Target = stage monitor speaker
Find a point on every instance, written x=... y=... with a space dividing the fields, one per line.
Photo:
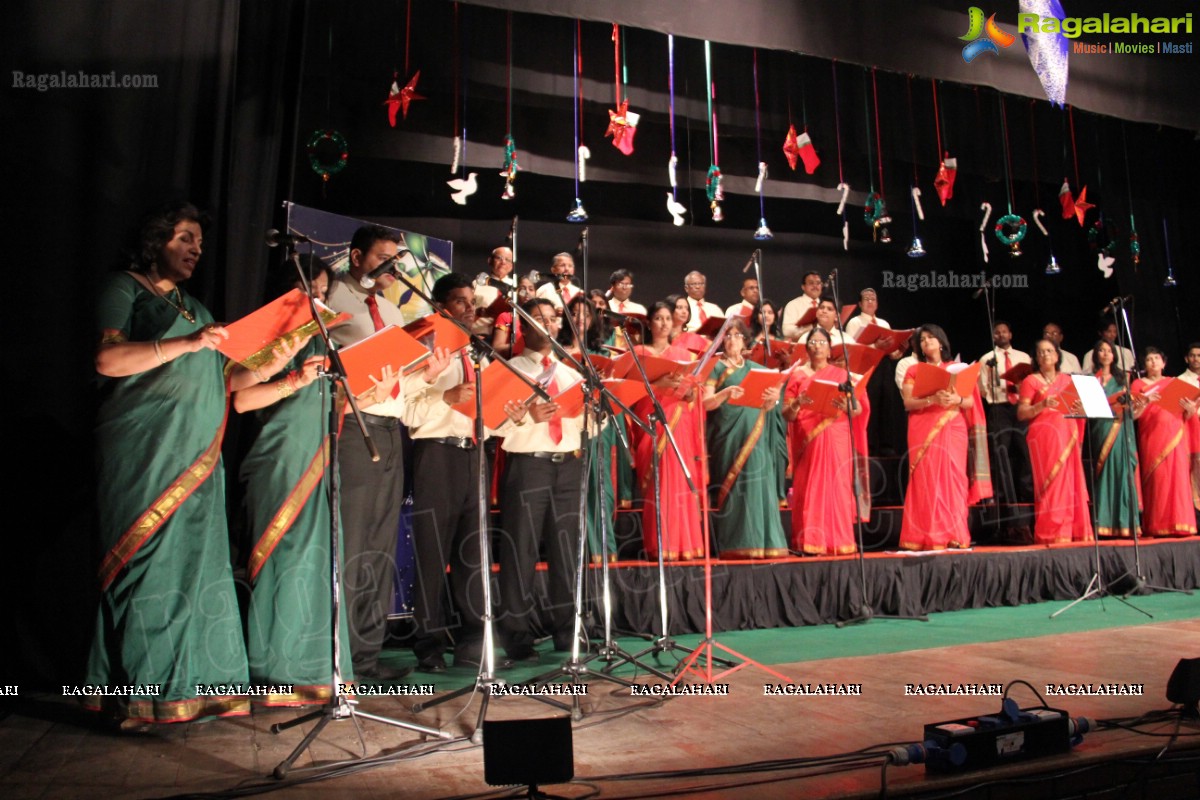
x=528 y=751
x=1183 y=687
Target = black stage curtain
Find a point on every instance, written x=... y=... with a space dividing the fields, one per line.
x=82 y=166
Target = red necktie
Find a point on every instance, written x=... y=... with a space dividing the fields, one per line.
x=621 y=307
x=469 y=377
x=1010 y=387
x=373 y=309
x=702 y=315
x=555 y=424
x=566 y=295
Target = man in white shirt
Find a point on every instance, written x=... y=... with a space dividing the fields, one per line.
x=371 y=492
x=796 y=308
x=620 y=287
x=1008 y=452
x=1052 y=332
x=560 y=291
x=695 y=284
x=1192 y=373
x=1124 y=358
x=445 y=510
x=541 y=496
x=489 y=285
x=749 y=295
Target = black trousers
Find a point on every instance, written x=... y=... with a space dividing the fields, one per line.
x=539 y=508
x=1009 y=454
x=445 y=525
x=372 y=497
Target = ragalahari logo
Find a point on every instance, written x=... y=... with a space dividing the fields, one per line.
x=983 y=36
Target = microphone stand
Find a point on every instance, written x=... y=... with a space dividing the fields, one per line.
x=657 y=419
x=866 y=611
x=1096 y=586
x=339 y=707
x=575 y=668
x=486 y=677
x=1125 y=337
x=1010 y=488
x=756 y=262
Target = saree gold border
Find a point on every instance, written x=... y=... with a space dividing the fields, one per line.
x=660 y=445
x=942 y=422
x=148 y=710
x=1161 y=457
x=1106 y=448
x=281 y=523
x=161 y=509
x=301 y=696
x=1062 y=459
x=742 y=457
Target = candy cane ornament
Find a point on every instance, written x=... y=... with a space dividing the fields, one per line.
x=987 y=213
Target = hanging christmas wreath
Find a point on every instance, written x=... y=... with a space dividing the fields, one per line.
x=328 y=153
x=1010 y=229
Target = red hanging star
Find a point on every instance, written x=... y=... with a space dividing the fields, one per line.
x=791 y=147
x=1082 y=206
x=400 y=98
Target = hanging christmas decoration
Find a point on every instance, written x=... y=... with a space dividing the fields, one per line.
x=577 y=212
x=875 y=211
x=762 y=233
x=986 y=208
x=674 y=207
x=622 y=123
x=712 y=183
x=510 y=169
x=398 y=99
x=943 y=182
x=1102 y=239
x=1073 y=207
x=916 y=249
x=462 y=188
x=1169 y=281
x=1010 y=229
x=328 y=153
x=460 y=134
x=1047 y=51
x=1135 y=246
x=1052 y=267
x=842 y=186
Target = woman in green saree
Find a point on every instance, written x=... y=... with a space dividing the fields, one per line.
x=747 y=449
x=168 y=619
x=1116 y=463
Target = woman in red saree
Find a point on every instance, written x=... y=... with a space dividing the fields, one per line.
x=681 y=535
x=1163 y=447
x=1060 y=501
x=935 y=504
x=822 y=461
x=681 y=315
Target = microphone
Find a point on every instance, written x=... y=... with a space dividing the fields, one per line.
x=512 y=239
x=275 y=238
x=753 y=258
x=831 y=277
x=1116 y=302
x=368 y=281
x=614 y=315
x=979 y=292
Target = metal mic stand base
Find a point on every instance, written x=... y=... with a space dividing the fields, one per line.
x=1139 y=583
x=483 y=684
x=865 y=613
x=338 y=708
x=573 y=671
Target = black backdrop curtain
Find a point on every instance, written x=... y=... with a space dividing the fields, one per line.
x=80 y=168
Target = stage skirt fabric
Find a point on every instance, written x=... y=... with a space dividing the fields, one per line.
x=747 y=450
x=823 y=466
x=1164 y=444
x=1060 y=501
x=168 y=615
x=285 y=474
x=935 y=504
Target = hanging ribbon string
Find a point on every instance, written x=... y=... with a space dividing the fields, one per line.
x=878 y=130
x=407 y=34
x=465 y=185
x=937 y=119
x=762 y=233
x=674 y=207
x=1037 y=191
x=1074 y=150
x=616 y=39
x=915 y=249
x=1135 y=246
x=577 y=212
x=837 y=126
x=713 y=183
x=875 y=211
x=1010 y=228
x=456 y=56
x=511 y=167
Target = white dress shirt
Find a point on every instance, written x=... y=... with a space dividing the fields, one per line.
x=856 y=324
x=534 y=437
x=991 y=386
x=710 y=310
x=792 y=314
x=553 y=292
x=347 y=295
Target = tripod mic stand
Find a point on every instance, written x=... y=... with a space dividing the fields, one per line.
x=1125 y=336
x=1096 y=586
x=338 y=707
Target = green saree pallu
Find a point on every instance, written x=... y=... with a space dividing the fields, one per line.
x=286 y=478
x=1115 y=473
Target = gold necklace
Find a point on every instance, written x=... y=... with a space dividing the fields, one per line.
x=176 y=304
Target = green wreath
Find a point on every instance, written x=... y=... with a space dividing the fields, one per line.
x=328 y=153
x=1010 y=229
